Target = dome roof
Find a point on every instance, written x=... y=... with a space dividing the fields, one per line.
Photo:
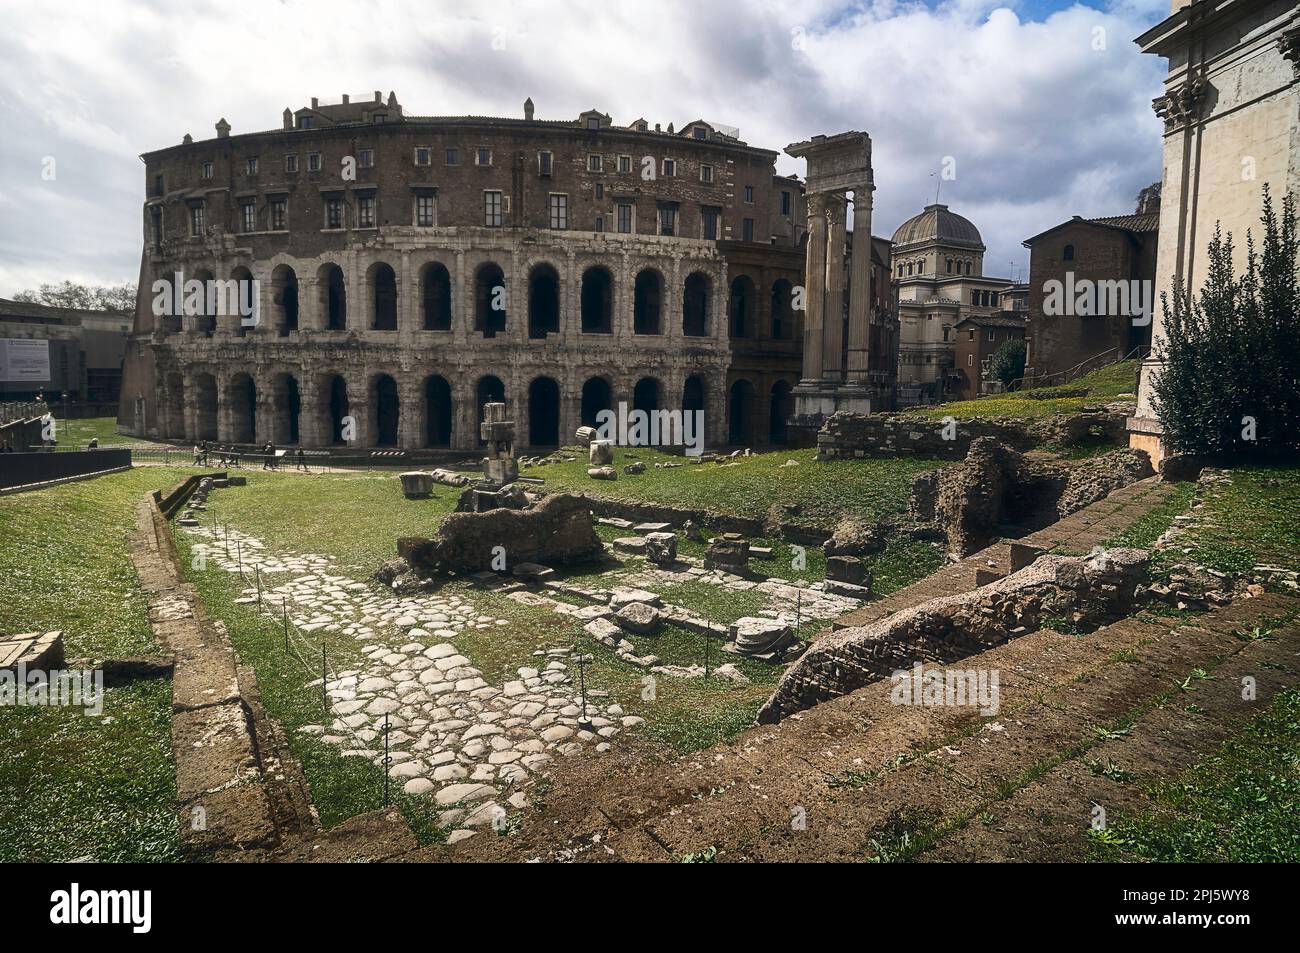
x=937 y=224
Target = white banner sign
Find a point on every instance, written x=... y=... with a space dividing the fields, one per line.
x=24 y=360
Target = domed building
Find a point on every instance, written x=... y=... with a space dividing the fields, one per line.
x=938 y=266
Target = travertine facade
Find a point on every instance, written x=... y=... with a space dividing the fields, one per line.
x=412 y=269
x=1231 y=111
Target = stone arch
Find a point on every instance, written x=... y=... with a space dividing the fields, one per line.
x=205 y=407
x=782 y=406
x=647 y=302
x=336 y=406
x=597 y=300
x=173 y=411
x=694 y=393
x=490 y=299
x=241 y=274
x=286 y=402
x=205 y=322
x=740 y=411
x=783 y=320
x=382 y=282
x=437 y=411
x=696 y=291
x=242 y=399
x=543 y=301
x=488 y=390
x=645 y=395
x=597 y=395
x=387 y=409
x=435 y=296
x=543 y=413
x=284 y=297
x=333 y=297
x=743 y=306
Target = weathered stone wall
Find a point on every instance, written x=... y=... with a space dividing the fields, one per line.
x=1086 y=591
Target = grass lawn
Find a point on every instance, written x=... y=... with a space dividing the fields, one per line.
x=1103 y=385
x=751 y=486
x=72 y=784
x=77 y=433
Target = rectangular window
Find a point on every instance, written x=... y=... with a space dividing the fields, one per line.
x=700 y=132
x=196 y=221
x=249 y=213
x=670 y=168
x=252 y=165
x=156 y=215
x=492 y=209
x=593 y=122
x=625 y=163
x=625 y=219
x=423 y=155
x=559 y=211
x=667 y=221
x=749 y=195
x=366 y=211
x=483 y=157
x=334 y=213
x=451 y=157
x=970 y=360
x=313 y=162
x=593 y=163
x=706 y=173
x=600 y=223
x=306 y=122
x=544 y=160
x=279 y=214
x=993 y=335
x=785 y=203
x=207 y=170
x=424 y=211
x=975 y=297
x=600 y=190
x=709 y=221
x=291 y=163
x=747 y=230
x=157 y=185
x=366 y=158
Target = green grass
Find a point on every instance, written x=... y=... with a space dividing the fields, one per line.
x=1146 y=529
x=64 y=563
x=1102 y=385
x=752 y=486
x=1240 y=805
x=77 y=433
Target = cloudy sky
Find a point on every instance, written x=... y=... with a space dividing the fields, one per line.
x=1043 y=106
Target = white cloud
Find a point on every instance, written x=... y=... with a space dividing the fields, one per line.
x=1040 y=123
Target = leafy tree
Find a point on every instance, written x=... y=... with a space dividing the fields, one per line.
x=69 y=294
x=1008 y=362
x=1231 y=377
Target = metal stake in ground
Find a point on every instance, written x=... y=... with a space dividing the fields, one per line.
x=388 y=759
x=239 y=555
x=284 y=618
x=227 y=540
x=707 y=637
x=798 y=611
x=257 y=571
x=583 y=722
x=324 y=698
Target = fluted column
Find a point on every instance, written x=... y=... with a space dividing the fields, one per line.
x=861 y=294
x=814 y=287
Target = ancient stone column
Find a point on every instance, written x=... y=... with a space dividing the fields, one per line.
x=309 y=416
x=861 y=292
x=833 y=306
x=411 y=411
x=814 y=289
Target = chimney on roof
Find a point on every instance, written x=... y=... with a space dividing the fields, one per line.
x=379 y=96
x=345 y=99
x=392 y=99
x=314 y=102
x=187 y=139
x=657 y=129
x=528 y=108
x=288 y=118
x=223 y=128
x=670 y=129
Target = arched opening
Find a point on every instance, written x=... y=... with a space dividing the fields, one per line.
x=645 y=395
x=288 y=405
x=488 y=390
x=782 y=310
x=782 y=407
x=383 y=289
x=489 y=299
x=597 y=301
x=543 y=413
x=695 y=305
x=742 y=307
x=646 y=298
x=435 y=297
x=387 y=410
x=173 y=410
x=437 y=412
x=244 y=279
x=596 y=396
x=333 y=297
x=284 y=295
x=243 y=409
x=739 y=410
x=543 y=302
x=205 y=320
x=205 y=407
x=336 y=402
